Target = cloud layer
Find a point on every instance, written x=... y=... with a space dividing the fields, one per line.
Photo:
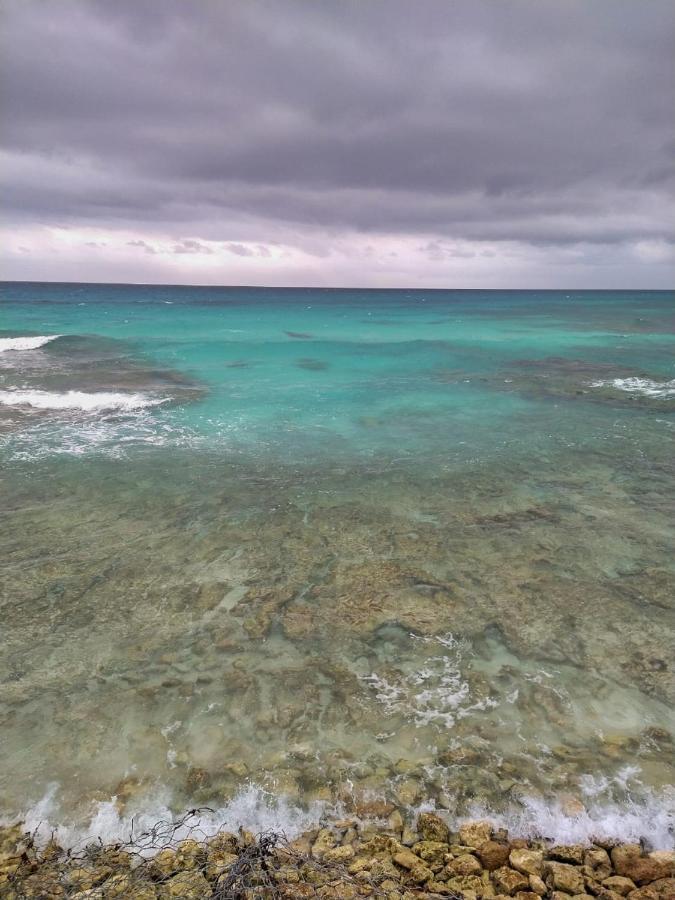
x=462 y=143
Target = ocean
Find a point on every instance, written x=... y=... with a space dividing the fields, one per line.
x=285 y=552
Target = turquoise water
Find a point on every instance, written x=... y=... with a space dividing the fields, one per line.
x=337 y=548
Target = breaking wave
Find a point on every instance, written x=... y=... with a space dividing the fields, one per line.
x=79 y=400
x=26 y=343
x=649 y=818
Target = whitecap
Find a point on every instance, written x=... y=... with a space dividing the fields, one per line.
x=26 y=343
x=252 y=807
x=648 y=816
x=79 y=400
x=645 y=386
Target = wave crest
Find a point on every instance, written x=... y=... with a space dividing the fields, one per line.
x=26 y=343
x=79 y=400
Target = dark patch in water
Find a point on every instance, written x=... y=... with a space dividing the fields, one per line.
x=300 y=335
x=238 y=364
x=312 y=365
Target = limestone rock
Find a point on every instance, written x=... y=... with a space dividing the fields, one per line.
x=628 y=861
x=493 y=854
x=396 y=823
x=564 y=877
x=325 y=840
x=529 y=862
x=537 y=885
x=661 y=889
x=619 y=884
x=407 y=859
x=598 y=861
x=188 y=886
x=474 y=834
x=432 y=828
x=509 y=881
x=464 y=884
x=339 y=854
x=432 y=852
x=567 y=853
x=466 y=864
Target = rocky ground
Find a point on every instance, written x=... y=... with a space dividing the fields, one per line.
x=344 y=859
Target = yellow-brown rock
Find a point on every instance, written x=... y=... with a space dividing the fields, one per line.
x=509 y=881
x=432 y=828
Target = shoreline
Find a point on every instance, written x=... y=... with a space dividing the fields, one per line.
x=342 y=858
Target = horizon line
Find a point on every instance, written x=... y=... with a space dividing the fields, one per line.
x=313 y=287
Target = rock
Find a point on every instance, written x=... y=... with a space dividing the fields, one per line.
x=526 y=895
x=438 y=887
x=342 y=891
x=325 y=840
x=473 y=834
x=382 y=869
x=463 y=884
x=628 y=861
x=493 y=854
x=619 y=884
x=464 y=865
x=537 y=885
x=190 y=855
x=396 y=823
x=223 y=842
x=665 y=888
x=417 y=871
x=373 y=809
x=406 y=859
x=666 y=856
x=567 y=853
x=409 y=837
x=117 y=888
x=529 y=862
x=339 y=854
x=408 y=792
x=598 y=861
x=644 y=893
x=432 y=852
x=432 y=828
x=163 y=864
x=563 y=877
x=509 y=881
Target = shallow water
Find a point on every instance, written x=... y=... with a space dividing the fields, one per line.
x=341 y=548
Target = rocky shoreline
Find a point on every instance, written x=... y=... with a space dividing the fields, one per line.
x=343 y=859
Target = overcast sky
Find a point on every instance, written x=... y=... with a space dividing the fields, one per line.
x=435 y=143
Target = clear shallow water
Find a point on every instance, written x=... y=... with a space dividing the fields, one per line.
x=343 y=547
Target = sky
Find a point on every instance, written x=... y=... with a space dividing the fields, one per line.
x=345 y=143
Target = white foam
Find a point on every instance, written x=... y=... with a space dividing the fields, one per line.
x=645 y=386
x=252 y=808
x=26 y=343
x=650 y=817
x=79 y=400
x=435 y=694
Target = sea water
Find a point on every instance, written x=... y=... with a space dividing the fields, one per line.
x=285 y=552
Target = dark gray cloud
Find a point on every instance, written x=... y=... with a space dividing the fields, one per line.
x=548 y=123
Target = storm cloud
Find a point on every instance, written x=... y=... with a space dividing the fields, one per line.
x=442 y=142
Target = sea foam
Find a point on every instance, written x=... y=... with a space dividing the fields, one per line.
x=26 y=343
x=79 y=400
x=252 y=807
x=645 y=386
x=650 y=818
